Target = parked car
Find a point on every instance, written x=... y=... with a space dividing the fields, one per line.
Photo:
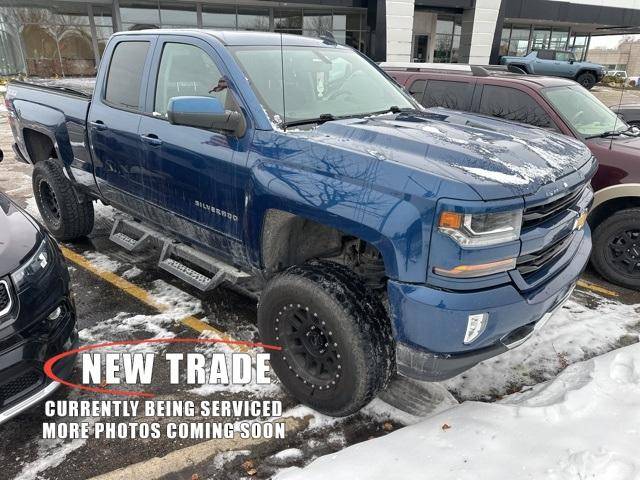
x=379 y=237
x=557 y=105
x=557 y=63
x=37 y=312
x=630 y=113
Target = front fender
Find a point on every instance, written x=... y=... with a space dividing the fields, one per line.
x=397 y=224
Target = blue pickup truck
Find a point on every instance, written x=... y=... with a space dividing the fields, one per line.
x=378 y=237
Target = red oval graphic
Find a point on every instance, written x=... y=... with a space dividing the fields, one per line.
x=48 y=366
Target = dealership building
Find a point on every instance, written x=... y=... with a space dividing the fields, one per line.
x=67 y=37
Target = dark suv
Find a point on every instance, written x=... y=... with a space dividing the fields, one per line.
x=37 y=312
x=559 y=105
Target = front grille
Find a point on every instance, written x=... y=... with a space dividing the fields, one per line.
x=532 y=262
x=18 y=386
x=535 y=215
x=5 y=298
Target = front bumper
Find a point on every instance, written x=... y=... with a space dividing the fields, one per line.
x=429 y=324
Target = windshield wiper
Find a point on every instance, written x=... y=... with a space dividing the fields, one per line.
x=612 y=133
x=325 y=117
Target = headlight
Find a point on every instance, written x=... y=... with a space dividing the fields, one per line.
x=34 y=267
x=481 y=229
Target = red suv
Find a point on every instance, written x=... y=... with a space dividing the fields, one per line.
x=564 y=106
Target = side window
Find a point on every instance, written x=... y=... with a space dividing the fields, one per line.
x=545 y=54
x=125 y=74
x=512 y=104
x=187 y=70
x=448 y=94
x=564 y=56
x=417 y=89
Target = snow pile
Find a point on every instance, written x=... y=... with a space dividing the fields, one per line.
x=575 y=332
x=583 y=424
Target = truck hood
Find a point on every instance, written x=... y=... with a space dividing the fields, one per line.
x=496 y=158
x=19 y=236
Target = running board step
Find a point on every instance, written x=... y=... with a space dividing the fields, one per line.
x=129 y=234
x=181 y=260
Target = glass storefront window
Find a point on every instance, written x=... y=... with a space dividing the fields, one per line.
x=214 y=16
x=504 y=40
x=558 y=39
x=578 y=45
x=253 y=19
x=178 y=15
x=316 y=23
x=519 y=42
x=288 y=21
x=540 y=38
x=447 y=39
x=139 y=15
x=57 y=40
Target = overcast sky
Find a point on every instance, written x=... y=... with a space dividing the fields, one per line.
x=609 y=41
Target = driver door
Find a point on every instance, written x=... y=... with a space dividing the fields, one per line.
x=190 y=175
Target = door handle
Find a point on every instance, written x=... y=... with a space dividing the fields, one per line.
x=151 y=139
x=98 y=125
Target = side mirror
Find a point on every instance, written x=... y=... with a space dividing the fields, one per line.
x=571 y=61
x=204 y=112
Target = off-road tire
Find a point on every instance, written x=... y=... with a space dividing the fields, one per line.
x=612 y=241
x=587 y=80
x=335 y=306
x=64 y=216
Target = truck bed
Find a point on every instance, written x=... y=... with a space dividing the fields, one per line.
x=81 y=85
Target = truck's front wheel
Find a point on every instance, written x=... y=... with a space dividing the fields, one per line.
x=63 y=214
x=587 y=80
x=616 y=248
x=337 y=346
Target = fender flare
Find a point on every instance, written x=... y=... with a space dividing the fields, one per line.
x=615 y=191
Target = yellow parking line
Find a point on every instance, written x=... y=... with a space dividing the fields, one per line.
x=144 y=296
x=597 y=288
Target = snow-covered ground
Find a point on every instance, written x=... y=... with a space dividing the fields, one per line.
x=583 y=424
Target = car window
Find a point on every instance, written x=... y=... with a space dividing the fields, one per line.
x=512 y=104
x=583 y=111
x=125 y=74
x=417 y=89
x=564 y=56
x=187 y=70
x=545 y=54
x=448 y=94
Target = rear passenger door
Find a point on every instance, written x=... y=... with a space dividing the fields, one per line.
x=452 y=94
x=114 y=118
x=513 y=104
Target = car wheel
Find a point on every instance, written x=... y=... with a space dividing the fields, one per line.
x=616 y=248
x=516 y=69
x=337 y=346
x=63 y=215
x=587 y=80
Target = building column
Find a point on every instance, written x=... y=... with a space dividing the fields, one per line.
x=399 y=20
x=478 y=28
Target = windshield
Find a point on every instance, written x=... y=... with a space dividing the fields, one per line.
x=584 y=112
x=318 y=82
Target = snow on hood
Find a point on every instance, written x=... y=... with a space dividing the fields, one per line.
x=583 y=424
x=480 y=151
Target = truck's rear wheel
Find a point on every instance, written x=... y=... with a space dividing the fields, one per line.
x=587 y=80
x=616 y=248
x=338 y=349
x=63 y=215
